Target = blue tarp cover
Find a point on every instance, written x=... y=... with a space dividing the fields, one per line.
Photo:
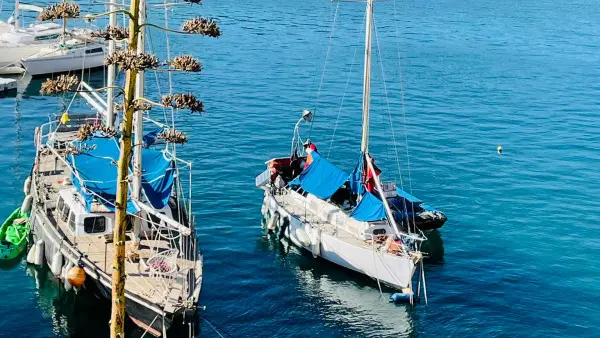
x=158 y=174
x=96 y=165
x=370 y=208
x=150 y=137
x=322 y=178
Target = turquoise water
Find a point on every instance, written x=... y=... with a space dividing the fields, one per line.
x=517 y=255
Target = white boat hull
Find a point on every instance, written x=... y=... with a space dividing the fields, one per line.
x=395 y=271
x=71 y=61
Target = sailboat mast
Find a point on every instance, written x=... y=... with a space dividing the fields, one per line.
x=367 y=79
x=138 y=115
x=110 y=93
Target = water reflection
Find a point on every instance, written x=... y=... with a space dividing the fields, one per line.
x=73 y=314
x=346 y=299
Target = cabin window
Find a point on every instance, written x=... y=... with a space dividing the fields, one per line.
x=379 y=232
x=72 y=221
x=59 y=206
x=65 y=213
x=94 y=50
x=93 y=225
x=46 y=37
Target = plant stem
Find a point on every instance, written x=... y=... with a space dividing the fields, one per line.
x=117 y=327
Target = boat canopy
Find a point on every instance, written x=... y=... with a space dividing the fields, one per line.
x=370 y=208
x=95 y=173
x=321 y=178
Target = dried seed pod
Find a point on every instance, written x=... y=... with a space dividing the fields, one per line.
x=173 y=136
x=112 y=33
x=137 y=105
x=129 y=60
x=186 y=63
x=183 y=101
x=141 y=105
x=62 y=84
x=63 y=10
x=202 y=26
x=87 y=130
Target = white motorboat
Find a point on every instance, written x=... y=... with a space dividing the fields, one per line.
x=71 y=55
x=17 y=42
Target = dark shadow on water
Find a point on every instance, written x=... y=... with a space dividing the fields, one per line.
x=72 y=314
x=82 y=313
x=434 y=247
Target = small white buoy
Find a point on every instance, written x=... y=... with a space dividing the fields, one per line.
x=499 y=149
x=26 y=205
x=39 y=253
x=302 y=237
x=57 y=261
x=31 y=254
x=27 y=186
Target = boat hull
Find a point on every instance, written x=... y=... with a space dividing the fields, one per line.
x=148 y=316
x=63 y=63
x=394 y=271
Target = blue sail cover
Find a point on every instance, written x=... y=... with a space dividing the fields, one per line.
x=370 y=208
x=322 y=178
x=96 y=165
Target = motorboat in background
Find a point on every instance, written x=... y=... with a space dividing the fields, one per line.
x=74 y=54
x=18 y=42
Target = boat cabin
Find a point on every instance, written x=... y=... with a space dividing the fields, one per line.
x=71 y=210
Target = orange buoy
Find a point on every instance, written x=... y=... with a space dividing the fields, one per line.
x=76 y=276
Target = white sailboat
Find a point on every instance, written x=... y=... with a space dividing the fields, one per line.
x=347 y=219
x=73 y=189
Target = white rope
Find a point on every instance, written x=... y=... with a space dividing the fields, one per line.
x=148 y=328
x=375 y=266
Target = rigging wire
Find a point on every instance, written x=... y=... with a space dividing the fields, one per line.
x=345 y=92
x=218 y=329
x=335 y=16
x=402 y=97
x=382 y=73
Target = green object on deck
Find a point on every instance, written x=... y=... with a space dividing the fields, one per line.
x=14 y=234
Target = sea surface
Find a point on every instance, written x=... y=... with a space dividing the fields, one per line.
x=452 y=80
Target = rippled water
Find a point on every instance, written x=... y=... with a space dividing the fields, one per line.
x=518 y=254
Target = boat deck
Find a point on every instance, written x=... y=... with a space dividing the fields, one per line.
x=299 y=210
